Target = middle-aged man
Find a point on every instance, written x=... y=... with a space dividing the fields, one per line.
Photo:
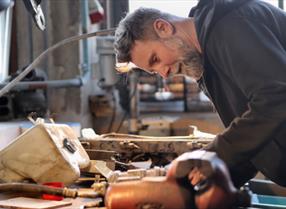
x=236 y=50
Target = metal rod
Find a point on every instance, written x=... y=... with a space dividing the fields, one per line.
x=10 y=85
x=29 y=85
x=134 y=110
x=6 y=38
x=84 y=10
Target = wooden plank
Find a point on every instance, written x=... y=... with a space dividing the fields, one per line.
x=31 y=203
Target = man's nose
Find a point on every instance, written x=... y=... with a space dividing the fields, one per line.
x=162 y=71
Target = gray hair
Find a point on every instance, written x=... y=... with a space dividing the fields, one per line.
x=136 y=26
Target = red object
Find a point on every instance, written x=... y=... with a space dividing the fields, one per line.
x=53 y=197
x=96 y=17
x=96 y=11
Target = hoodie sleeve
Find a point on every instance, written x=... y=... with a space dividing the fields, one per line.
x=249 y=54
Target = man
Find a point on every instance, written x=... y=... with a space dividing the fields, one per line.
x=236 y=50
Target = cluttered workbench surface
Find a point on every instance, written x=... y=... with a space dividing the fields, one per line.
x=49 y=162
x=20 y=200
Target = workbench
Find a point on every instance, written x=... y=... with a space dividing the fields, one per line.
x=77 y=203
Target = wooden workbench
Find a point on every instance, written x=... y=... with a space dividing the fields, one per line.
x=77 y=203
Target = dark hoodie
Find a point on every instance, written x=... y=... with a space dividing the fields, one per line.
x=244 y=54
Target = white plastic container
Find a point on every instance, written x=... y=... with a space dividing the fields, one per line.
x=44 y=153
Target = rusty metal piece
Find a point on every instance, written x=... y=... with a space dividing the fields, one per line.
x=100 y=187
x=150 y=192
x=128 y=145
x=128 y=148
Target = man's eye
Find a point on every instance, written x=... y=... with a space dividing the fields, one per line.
x=154 y=60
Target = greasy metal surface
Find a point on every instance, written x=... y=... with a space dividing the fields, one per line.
x=123 y=149
x=121 y=144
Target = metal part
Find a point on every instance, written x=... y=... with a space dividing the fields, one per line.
x=135 y=174
x=129 y=148
x=178 y=191
x=104 y=47
x=69 y=145
x=34 y=8
x=150 y=192
x=134 y=99
x=84 y=26
x=30 y=85
x=266 y=187
x=5 y=40
x=6 y=108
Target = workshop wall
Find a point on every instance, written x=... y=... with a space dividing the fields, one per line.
x=63 y=20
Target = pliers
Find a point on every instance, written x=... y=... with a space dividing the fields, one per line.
x=34 y=8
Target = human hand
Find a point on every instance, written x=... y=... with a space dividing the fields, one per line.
x=208 y=176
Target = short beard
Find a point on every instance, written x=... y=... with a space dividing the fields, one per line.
x=189 y=62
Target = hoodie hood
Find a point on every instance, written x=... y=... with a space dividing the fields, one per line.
x=208 y=12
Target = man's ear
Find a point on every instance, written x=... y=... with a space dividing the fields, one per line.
x=163 y=28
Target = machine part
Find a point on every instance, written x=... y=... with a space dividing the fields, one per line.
x=100 y=187
x=11 y=84
x=266 y=187
x=6 y=108
x=129 y=148
x=34 y=8
x=104 y=47
x=32 y=85
x=43 y=145
x=150 y=192
x=69 y=145
x=30 y=100
x=268 y=201
x=26 y=102
x=213 y=190
x=135 y=174
x=162 y=95
x=5 y=37
x=98 y=166
x=92 y=204
x=134 y=99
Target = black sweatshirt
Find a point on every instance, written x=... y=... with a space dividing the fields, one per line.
x=244 y=54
